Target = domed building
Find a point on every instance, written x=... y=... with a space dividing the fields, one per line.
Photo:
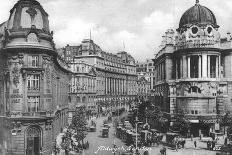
x=34 y=82
x=193 y=72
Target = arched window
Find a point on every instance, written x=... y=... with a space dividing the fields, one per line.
x=33 y=138
x=194 y=89
x=78 y=99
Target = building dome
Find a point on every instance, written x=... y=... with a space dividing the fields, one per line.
x=198 y=15
x=28 y=26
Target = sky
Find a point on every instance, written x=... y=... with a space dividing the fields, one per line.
x=134 y=25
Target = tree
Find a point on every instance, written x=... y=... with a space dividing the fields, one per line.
x=157 y=115
x=66 y=142
x=56 y=149
x=79 y=125
x=181 y=124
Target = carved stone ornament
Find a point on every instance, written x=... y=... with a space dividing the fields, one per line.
x=24 y=74
x=32 y=12
x=21 y=56
x=15 y=74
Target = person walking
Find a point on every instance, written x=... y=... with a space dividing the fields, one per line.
x=176 y=146
x=195 y=144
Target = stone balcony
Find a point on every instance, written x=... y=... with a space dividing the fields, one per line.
x=197 y=43
x=39 y=114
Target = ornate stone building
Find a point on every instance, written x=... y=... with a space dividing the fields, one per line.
x=146 y=69
x=193 y=71
x=34 y=82
x=115 y=73
x=82 y=86
x=143 y=88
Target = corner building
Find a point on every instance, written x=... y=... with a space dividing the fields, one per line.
x=193 y=71
x=33 y=85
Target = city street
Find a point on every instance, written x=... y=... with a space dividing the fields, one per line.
x=95 y=139
x=102 y=146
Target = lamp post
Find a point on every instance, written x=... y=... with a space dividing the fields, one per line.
x=136 y=129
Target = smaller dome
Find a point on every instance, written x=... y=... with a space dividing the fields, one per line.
x=198 y=15
x=26 y=13
x=28 y=27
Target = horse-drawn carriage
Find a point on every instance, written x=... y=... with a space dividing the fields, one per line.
x=173 y=139
x=156 y=137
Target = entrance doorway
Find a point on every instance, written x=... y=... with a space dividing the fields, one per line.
x=33 y=138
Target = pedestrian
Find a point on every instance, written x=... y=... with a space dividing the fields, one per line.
x=137 y=152
x=195 y=144
x=191 y=137
x=176 y=146
x=146 y=153
x=226 y=141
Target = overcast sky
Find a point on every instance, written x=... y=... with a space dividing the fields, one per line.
x=140 y=24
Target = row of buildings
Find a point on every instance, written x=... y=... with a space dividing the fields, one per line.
x=40 y=85
x=102 y=79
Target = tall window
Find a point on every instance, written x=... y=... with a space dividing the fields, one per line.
x=33 y=104
x=213 y=66
x=33 y=61
x=194 y=66
x=33 y=82
x=178 y=68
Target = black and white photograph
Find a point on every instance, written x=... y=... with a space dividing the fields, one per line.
x=115 y=77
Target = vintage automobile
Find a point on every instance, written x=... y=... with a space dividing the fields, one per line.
x=92 y=127
x=156 y=137
x=105 y=132
x=131 y=138
x=106 y=125
x=170 y=138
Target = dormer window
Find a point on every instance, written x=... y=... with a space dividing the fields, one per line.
x=194 y=30
x=209 y=30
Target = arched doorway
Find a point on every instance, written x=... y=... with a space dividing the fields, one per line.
x=33 y=138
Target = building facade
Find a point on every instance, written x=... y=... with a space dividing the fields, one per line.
x=82 y=90
x=34 y=82
x=193 y=71
x=115 y=74
x=143 y=88
x=146 y=69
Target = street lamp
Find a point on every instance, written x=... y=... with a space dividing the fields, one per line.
x=136 y=129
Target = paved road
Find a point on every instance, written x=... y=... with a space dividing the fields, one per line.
x=96 y=142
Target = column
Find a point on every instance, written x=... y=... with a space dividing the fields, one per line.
x=217 y=66
x=110 y=84
x=118 y=86
x=106 y=87
x=176 y=69
x=184 y=66
x=204 y=65
x=208 y=68
x=188 y=66
x=123 y=86
x=181 y=68
x=199 y=67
